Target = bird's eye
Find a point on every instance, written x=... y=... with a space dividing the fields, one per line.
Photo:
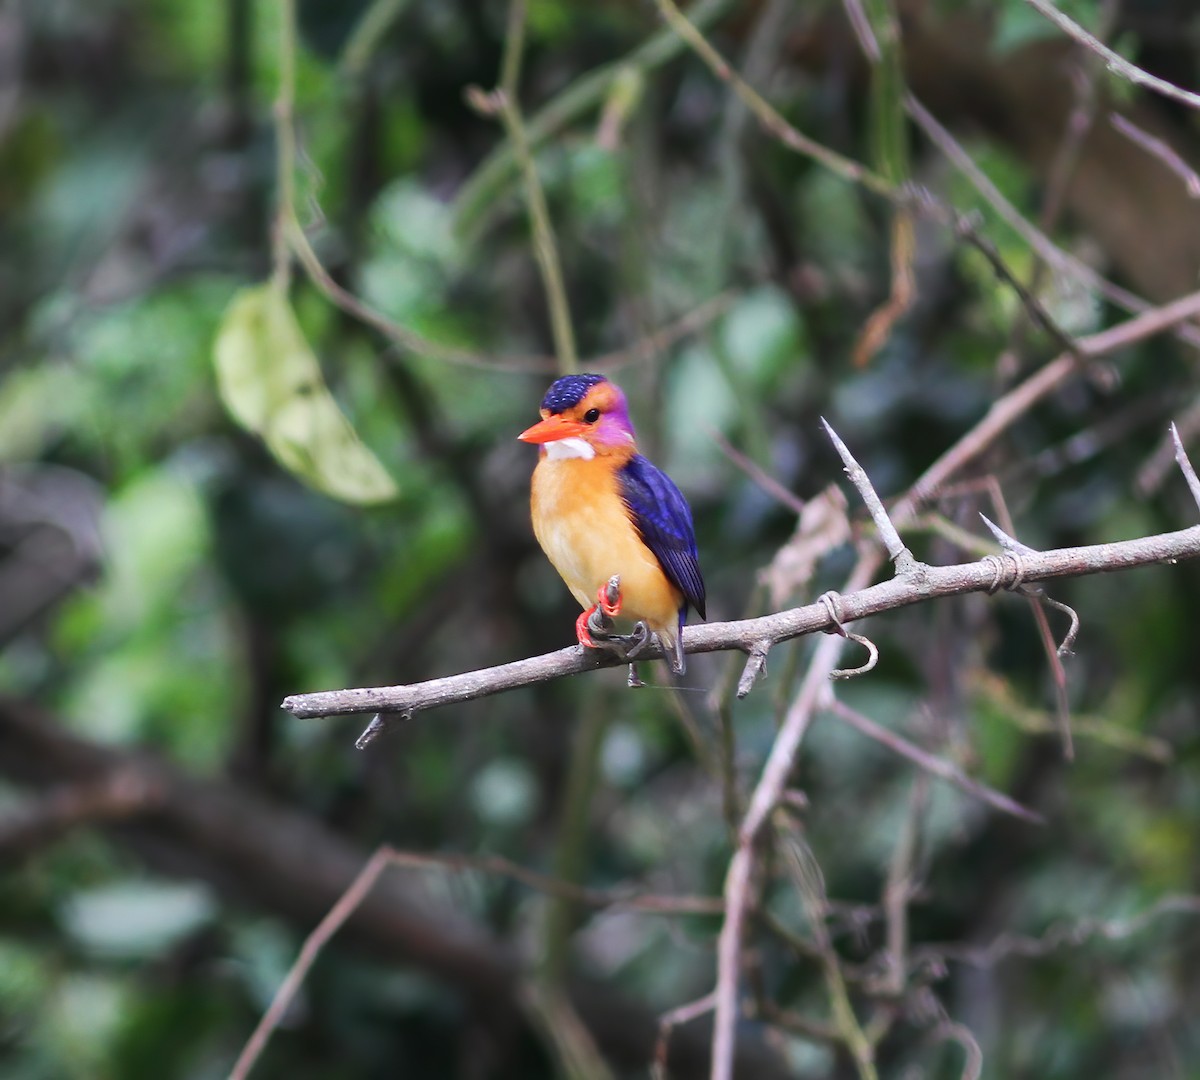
x=591 y=416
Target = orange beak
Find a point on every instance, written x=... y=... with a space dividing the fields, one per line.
x=554 y=428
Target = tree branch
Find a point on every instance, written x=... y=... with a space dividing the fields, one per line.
x=1115 y=62
x=929 y=582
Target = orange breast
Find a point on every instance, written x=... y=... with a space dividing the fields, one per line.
x=585 y=530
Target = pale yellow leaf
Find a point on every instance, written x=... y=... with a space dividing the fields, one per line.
x=271 y=382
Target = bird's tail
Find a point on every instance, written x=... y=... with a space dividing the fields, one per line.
x=672 y=643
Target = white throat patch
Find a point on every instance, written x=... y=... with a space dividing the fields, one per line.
x=569 y=448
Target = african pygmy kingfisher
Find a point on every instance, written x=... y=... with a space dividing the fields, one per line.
x=601 y=509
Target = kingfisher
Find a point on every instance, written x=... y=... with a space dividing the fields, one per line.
x=601 y=509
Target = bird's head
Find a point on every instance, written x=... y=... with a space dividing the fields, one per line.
x=583 y=416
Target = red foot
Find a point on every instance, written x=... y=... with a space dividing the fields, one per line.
x=581 y=630
x=611 y=610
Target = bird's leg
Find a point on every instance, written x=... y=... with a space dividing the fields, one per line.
x=608 y=597
x=596 y=619
x=593 y=626
x=635 y=643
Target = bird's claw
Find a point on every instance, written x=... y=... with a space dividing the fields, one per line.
x=591 y=633
x=583 y=628
x=635 y=643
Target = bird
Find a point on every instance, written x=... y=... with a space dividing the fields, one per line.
x=600 y=508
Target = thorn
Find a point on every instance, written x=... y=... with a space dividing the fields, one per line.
x=379 y=725
x=1007 y=542
x=1185 y=464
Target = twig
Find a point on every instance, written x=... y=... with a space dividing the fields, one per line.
x=366 y=35
x=897 y=892
x=1037 y=599
x=1153 y=473
x=285 y=149
x=387 y=856
x=949 y=1031
x=1114 y=61
x=765 y=797
x=683 y=1014
x=1185 y=464
x=998 y=693
x=1059 y=936
x=936 y=581
x=1159 y=149
x=481 y=189
x=794 y=1023
x=1039 y=385
x=658 y=341
x=966 y=229
x=690 y=322
x=878 y=29
x=931 y=763
x=309 y=951
x=758 y=474
x=806 y=874
x=1062 y=261
x=771 y=120
x=565 y=1035
x=503 y=102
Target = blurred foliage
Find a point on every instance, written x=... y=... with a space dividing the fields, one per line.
x=136 y=185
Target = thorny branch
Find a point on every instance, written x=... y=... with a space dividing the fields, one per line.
x=997 y=572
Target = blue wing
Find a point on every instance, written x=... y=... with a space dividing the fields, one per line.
x=664 y=521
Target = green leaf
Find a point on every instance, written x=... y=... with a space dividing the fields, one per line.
x=270 y=381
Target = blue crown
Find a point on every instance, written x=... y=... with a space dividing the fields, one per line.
x=569 y=391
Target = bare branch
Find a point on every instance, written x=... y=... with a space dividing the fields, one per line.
x=771 y=120
x=684 y=1014
x=1159 y=149
x=758 y=474
x=966 y=228
x=1115 y=62
x=1067 y=645
x=995 y=690
x=1061 y=935
x=931 y=763
x=388 y=856
x=410 y=341
x=1037 y=598
x=313 y=944
x=766 y=795
x=1062 y=261
x=744 y=635
x=949 y=1031
x=1039 y=385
